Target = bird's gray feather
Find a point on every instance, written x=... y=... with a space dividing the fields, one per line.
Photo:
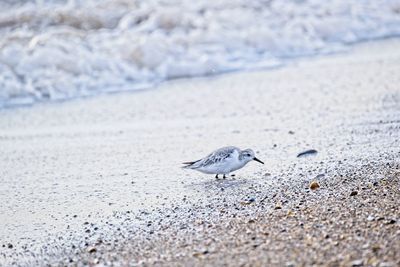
x=215 y=157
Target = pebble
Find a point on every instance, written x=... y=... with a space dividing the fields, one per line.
x=392 y=221
x=248 y=202
x=353 y=193
x=91 y=249
x=376 y=247
x=314 y=185
x=198 y=254
x=307 y=152
x=357 y=263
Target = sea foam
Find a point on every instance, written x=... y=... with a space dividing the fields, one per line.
x=56 y=50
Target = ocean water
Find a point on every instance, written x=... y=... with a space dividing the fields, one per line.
x=57 y=50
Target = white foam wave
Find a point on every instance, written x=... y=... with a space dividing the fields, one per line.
x=64 y=49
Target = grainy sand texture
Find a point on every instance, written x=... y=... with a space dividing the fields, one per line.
x=98 y=182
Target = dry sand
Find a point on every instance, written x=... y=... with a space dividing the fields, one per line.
x=97 y=181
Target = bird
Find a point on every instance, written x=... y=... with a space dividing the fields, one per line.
x=223 y=161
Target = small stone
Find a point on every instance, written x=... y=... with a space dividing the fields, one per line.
x=290 y=213
x=370 y=218
x=198 y=254
x=357 y=263
x=248 y=202
x=314 y=185
x=353 y=193
x=9 y=245
x=91 y=249
x=392 y=221
x=307 y=152
x=376 y=247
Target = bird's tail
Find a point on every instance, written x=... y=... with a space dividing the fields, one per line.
x=189 y=164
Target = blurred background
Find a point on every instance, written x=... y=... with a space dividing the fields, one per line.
x=57 y=50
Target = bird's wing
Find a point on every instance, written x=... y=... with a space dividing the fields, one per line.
x=218 y=156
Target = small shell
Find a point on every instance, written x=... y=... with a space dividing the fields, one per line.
x=314 y=185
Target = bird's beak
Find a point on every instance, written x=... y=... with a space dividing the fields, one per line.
x=256 y=159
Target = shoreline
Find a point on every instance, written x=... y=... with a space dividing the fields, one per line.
x=107 y=168
x=286 y=62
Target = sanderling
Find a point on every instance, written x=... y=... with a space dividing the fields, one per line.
x=223 y=161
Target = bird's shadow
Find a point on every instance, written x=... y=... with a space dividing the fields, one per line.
x=219 y=184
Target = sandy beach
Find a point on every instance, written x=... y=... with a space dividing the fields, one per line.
x=97 y=181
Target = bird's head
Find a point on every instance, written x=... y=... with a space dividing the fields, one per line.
x=248 y=155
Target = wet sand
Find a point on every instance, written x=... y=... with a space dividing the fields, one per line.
x=98 y=180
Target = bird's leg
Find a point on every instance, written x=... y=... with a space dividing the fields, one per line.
x=216 y=176
x=224 y=176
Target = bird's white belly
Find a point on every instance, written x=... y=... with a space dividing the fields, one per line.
x=224 y=167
